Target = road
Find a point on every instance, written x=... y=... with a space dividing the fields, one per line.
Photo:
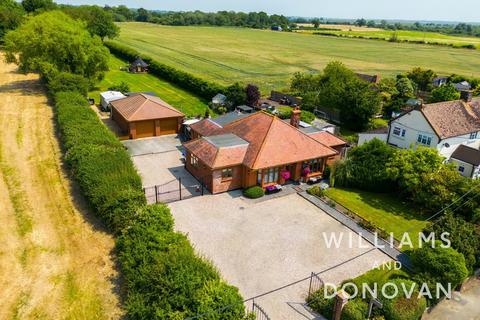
x=56 y=260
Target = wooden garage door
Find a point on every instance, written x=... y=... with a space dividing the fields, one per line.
x=168 y=126
x=145 y=129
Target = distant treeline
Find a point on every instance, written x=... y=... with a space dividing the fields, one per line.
x=222 y=18
x=458 y=29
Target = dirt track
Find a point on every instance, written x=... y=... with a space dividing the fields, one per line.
x=56 y=260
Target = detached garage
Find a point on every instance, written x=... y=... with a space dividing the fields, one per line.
x=143 y=115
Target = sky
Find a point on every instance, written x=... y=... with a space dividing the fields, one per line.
x=437 y=10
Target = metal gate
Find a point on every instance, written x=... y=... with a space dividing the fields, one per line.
x=173 y=190
x=260 y=314
x=316 y=283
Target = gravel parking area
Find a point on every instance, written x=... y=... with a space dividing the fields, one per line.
x=159 y=163
x=262 y=246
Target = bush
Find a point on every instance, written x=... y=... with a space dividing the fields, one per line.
x=254 y=192
x=320 y=304
x=355 y=309
x=316 y=191
x=401 y=308
x=122 y=87
x=64 y=81
x=200 y=87
x=164 y=277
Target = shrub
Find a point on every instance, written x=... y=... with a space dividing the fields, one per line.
x=316 y=191
x=400 y=307
x=254 y=192
x=64 y=81
x=121 y=87
x=164 y=277
x=320 y=304
x=200 y=87
x=355 y=309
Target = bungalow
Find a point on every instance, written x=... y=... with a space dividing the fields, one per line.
x=257 y=149
x=439 y=81
x=462 y=86
x=444 y=126
x=142 y=115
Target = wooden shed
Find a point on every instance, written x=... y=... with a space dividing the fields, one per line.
x=142 y=115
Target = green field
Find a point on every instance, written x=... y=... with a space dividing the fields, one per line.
x=384 y=210
x=269 y=58
x=428 y=37
x=184 y=101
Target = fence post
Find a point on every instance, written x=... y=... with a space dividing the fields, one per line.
x=156 y=194
x=180 y=187
x=310 y=285
x=201 y=182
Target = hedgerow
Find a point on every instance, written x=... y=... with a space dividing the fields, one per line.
x=200 y=87
x=164 y=278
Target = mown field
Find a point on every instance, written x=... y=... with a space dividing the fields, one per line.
x=374 y=33
x=269 y=58
x=183 y=100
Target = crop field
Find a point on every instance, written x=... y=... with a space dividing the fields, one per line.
x=184 y=101
x=375 y=33
x=269 y=58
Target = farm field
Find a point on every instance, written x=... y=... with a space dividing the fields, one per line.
x=184 y=101
x=55 y=259
x=429 y=37
x=269 y=58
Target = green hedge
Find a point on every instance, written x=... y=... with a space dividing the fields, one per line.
x=99 y=162
x=187 y=81
x=254 y=192
x=164 y=278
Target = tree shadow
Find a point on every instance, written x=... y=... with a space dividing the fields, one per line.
x=31 y=87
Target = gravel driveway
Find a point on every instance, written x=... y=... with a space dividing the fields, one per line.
x=261 y=246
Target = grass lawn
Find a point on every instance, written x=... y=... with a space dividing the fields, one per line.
x=184 y=101
x=269 y=59
x=384 y=210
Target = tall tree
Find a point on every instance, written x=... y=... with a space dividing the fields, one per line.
x=54 y=42
x=11 y=15
x=38 y=5
x=422 y=77
x=99 y=21
x=444 y=93
x=253 y=94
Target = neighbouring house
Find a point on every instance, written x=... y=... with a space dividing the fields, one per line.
x=141 y=116
x=463 y=86
x=107 y=97
x=467 y=161
x=257 y=149
x=138 y=66
x=276 y=28
x=373 y=79
x=219 y=100
x=439 y=81
x=444 y=126
x=379 y=133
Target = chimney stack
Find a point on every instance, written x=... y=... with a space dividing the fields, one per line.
x=295 y=117
x=466 y=95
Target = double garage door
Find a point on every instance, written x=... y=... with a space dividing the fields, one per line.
x=147 y=128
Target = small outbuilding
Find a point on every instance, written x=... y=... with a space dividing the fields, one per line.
x=107 y=97
x=138 y=66
x=219 y=99
x=141 y=116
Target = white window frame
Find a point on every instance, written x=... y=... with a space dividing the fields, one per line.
x=193 y=160
x=401 y=132
x=424 y=139
x=461 y=168
x=227 y=174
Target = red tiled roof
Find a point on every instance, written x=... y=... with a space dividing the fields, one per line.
x=271 y=142
x=144 y=107
x=206 y=127
x=453 y=118
x=328 y=139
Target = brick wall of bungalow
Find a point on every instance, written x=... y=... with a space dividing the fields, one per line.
x=243 y=177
